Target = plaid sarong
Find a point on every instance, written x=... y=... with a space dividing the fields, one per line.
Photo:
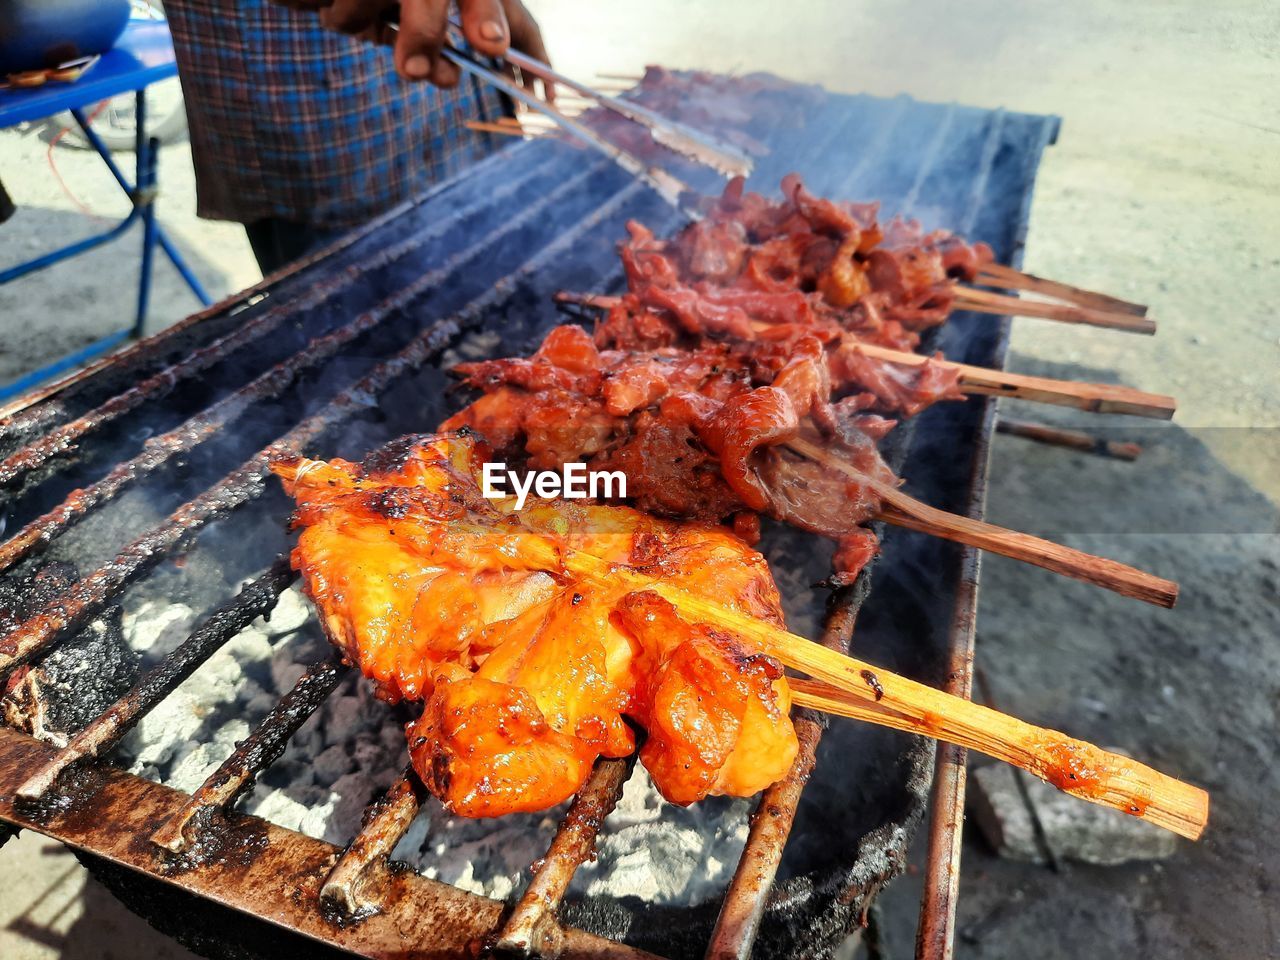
x=293 y=121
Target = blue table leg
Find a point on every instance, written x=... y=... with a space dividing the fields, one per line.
x=142 y=194
x=89 y=243
x=180 y=265
x=148 y=178
x=74 y=249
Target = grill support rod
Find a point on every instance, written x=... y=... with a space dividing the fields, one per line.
x=771 y=822
x=532 y=929
x=356 y=887
x=107 y=729
x=259 y=750
x=279 y=875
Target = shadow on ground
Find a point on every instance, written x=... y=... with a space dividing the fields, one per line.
x=103 y=930
x=1191 y=690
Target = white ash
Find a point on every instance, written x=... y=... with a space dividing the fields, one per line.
x=648 y=848
x=663 y=853
x=354 y=748
x=157 y=624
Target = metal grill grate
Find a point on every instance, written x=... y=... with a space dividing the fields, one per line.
x=343 y=352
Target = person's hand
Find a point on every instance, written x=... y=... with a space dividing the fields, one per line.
x=490 y=26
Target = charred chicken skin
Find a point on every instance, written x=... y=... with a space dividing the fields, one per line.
x=527 y=673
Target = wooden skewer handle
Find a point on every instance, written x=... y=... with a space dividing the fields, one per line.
x=998 y=275
x=1095 y=397
x=984 y=301
x=866 y=692
x=505 y=129
x=1073 y=766
x=905 y=511
x=1072 y=439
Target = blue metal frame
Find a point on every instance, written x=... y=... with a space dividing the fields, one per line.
x=142 y=195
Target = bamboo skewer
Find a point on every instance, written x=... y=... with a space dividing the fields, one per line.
x=505 y=129
x=903 y=510
x=985 y=301
x=1073 y=766
x=686 y=140
x=998 y=275
x=669 y=187
x=1095 y=397
x=856 y=689
x=1072 y=439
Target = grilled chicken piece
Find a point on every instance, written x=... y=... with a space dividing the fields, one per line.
x=529 y=673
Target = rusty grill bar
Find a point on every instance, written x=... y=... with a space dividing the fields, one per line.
x=903 y=151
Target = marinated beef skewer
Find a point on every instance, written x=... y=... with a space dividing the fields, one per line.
x=666 y=92
x=531 y=634
x=722 y=432
x=886 y=282
x=970 y=379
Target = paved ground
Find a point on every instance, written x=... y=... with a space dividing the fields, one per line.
x=1164 y=186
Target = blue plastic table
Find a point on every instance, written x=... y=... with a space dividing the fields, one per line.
x=142 y=56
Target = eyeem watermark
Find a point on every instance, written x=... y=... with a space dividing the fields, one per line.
x=573 y=482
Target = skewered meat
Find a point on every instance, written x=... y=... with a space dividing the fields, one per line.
x=715 y=104
x=698 y=433
x=878 y=385
x=527 y=673
x=803 y=260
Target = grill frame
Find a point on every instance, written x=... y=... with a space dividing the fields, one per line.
x=974 y=344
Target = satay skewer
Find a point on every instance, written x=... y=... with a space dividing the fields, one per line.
x=853 y=688
x=903 y=510
x=998 y=275
x=986 y=301
x=670 y=133
x=900 y=509
x=1095 y=397
x=1082 y=307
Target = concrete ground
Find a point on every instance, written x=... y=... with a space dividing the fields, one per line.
x=1164 y=187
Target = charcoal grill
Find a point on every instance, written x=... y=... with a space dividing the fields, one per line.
x=159 y=455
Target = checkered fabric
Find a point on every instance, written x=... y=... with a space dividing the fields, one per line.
x=293 y=121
